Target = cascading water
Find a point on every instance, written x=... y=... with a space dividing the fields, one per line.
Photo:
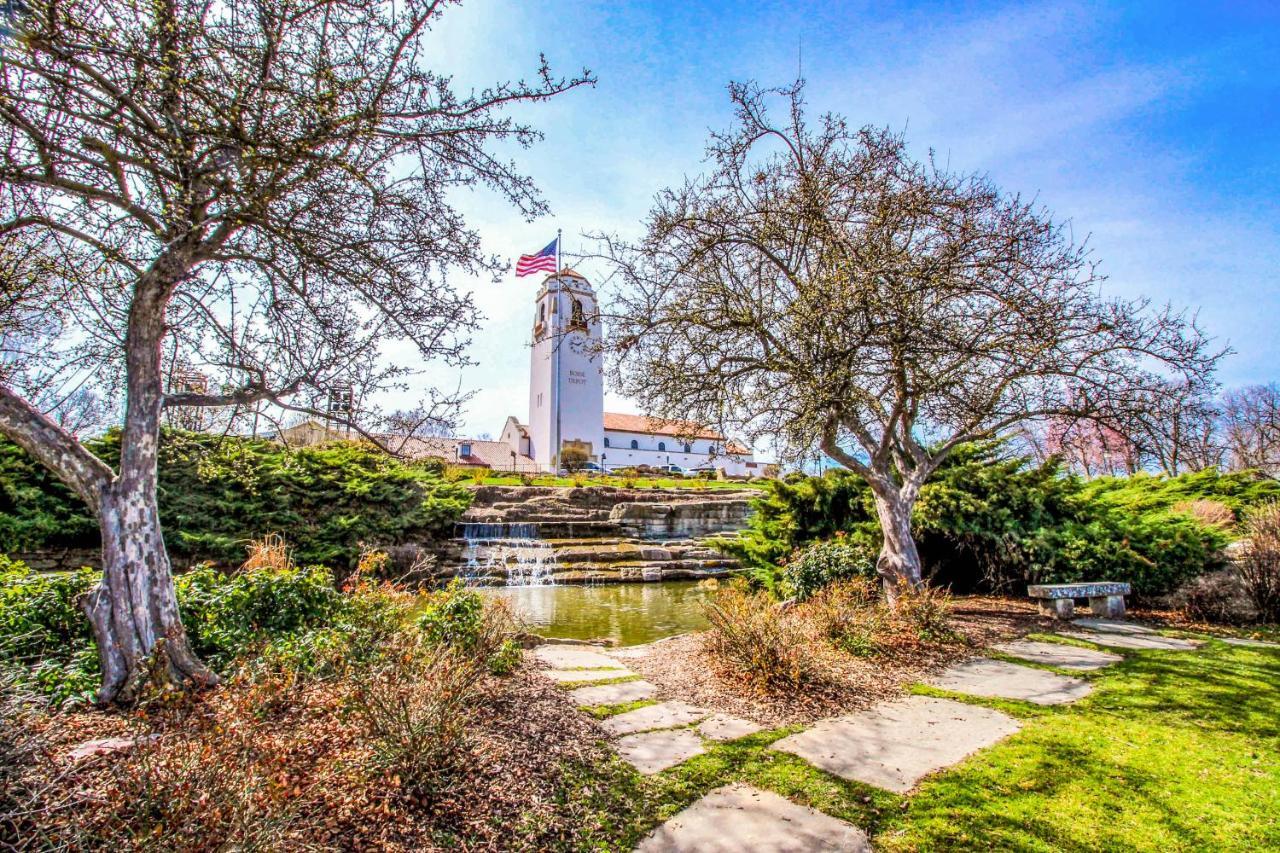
x=509 y=549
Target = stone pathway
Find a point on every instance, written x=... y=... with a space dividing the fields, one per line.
x=575 y=657
x=1126 y=635
x=723 y=727
x=1004 y=680
x=742 y=819
x=1242 y=641
x=570 y=676
x=894 y=744
x=655 y=751
x=1112 y=626
x=1058 y=654
x=652 y=738
x=664 y=715
x=613 y=694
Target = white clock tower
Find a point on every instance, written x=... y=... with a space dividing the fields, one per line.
x=566 y=371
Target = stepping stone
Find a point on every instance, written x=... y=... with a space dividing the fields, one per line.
x=613 y=694
x=1241 y=641
x=566 y=676
x=740 y=818
x=723 y=727
x=1132 y=641
x=894 y=744
x=653 y=752
x=1058 y=654
x=1113 y=626
x=573 y=657
x=664 y=715
x=1004 y=680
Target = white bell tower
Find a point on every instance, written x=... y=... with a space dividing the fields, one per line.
x=566 y=371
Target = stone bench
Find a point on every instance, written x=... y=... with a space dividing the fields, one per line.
x=1058 y=599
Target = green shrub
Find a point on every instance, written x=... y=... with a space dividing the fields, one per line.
x=45 y=639
x=819 y=564
x=461 y=618
x=229 y=615
x=36 y=510
x=218 y=492
x=791 y=513
x=987 y=521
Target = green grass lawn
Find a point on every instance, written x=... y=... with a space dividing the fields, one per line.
x=1172 y=751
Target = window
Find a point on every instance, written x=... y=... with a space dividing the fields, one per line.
x=662 y=446
x=688 y=448
x=635 y=445
x=464 y=449
x=606 y=441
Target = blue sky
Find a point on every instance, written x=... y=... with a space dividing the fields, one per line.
x=1154 y=128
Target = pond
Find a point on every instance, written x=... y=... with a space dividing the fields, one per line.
x=627 y=613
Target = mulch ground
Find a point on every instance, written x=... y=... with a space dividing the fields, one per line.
x=238 y=768
x=682 y=668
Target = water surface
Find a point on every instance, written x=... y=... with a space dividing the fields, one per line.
x=627 y=613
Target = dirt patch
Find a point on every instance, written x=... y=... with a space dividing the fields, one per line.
x=682 y=668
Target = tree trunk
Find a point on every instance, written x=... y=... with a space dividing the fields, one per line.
x=899 y=560
x=134 y=611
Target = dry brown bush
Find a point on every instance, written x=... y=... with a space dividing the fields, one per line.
x=766 y=643
x=1209 y=513
x=845 y=613
x=781 y=647
x=1260 y=563
x=269 y=552
x=1218 y=597
x=925 y=611
x=21 y=746
x=414 y=708
x=851 y=615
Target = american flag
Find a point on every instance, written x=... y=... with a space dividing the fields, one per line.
x=544 y=261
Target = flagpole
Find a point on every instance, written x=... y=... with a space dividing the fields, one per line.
x=558 y=340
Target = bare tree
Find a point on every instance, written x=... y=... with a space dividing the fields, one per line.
x=266 y=183
x=822 y=287
x=1170 y=426
x=1175 y=428
x=1090 y=447
x=1251 y=427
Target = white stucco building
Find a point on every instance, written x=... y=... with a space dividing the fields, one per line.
x=566 y=399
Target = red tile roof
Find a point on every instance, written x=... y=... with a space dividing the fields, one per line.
x=656 y=426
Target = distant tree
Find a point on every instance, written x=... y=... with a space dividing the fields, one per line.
x=262 y=186
x=574 y=458
x=1091 y=447
x=822 y=287
x=1175 y=427
x=1170 y=427
x=1251 y=427
x=84 y=412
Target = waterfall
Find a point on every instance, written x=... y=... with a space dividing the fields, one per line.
x=507 y=549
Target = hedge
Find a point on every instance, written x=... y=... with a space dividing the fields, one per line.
x=989 y=521
x=219 y=492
